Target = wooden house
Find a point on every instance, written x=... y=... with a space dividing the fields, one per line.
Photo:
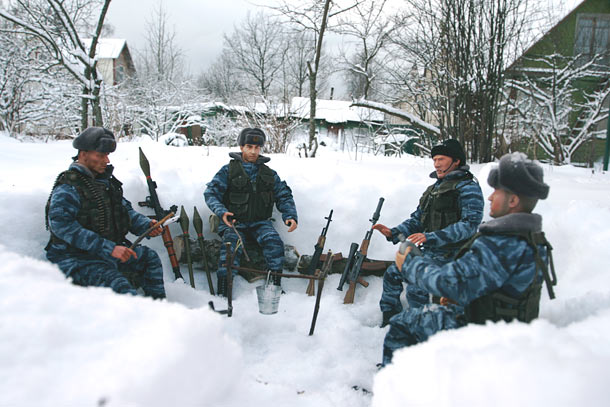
x=580 y=36
x=114 y=60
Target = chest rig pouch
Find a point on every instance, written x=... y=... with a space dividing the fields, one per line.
x=497 y=305
x=250 y=201
x=101 y=210
x=440 y=206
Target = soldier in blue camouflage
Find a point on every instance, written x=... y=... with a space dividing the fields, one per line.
x=242 y=194
x=88 y=218
x=496 y=276
x=448 y=214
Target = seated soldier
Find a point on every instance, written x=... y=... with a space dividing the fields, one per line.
x=88 y=218
x=448 y=214
x=497 y=275
x=242 y=194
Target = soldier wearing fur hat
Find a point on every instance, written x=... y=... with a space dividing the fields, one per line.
x=448 y=214
x=89 y=218
x=243 y=194
x=496 y=276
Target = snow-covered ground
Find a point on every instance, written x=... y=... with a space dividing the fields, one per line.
x=62 y=345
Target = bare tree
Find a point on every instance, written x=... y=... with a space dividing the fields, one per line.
x=222 y=81
x=57 y=24
x=459 y=48
x=369 y=25
x=162 y=58
x=559 y=104
x=257 y=48
x=311 y=16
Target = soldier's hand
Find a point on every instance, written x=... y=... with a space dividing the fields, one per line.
x=292 y=224
x=156 y=231
x=446 y=301
x=228 y=219
x=417 y=238
x=123 y=253
x=383 y=229
x=400 y=257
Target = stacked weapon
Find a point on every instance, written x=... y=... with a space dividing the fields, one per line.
x=165 y=221
x=351 y=273
x=198 y=223
x=152 y=201
x=184 y=225
x=323 y=272
x=313 y=266
x=229 y=311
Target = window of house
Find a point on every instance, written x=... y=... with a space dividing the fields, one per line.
x=593 y=37
x=120 y=74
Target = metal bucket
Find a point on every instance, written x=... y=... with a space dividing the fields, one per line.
x=268 y=297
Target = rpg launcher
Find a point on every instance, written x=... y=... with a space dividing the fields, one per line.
x=315 y=259
x=152 y=201
x=351 y=273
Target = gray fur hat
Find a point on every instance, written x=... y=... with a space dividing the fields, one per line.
x=95 y=139
x=252 y=135
x=519 y=175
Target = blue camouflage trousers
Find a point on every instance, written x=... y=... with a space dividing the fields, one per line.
x=265 y=235
x=392 y=288
x=416 y=325
x=146 y=272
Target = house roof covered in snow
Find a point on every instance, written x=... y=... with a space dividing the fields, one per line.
x=334 y=111
x=107 y=47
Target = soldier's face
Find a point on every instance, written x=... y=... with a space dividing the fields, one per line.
x=250 y=152
x=500 y=203
x=443 y=165
x=95 y=161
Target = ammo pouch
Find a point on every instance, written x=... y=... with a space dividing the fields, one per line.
x=250 y=201
x=497 y=306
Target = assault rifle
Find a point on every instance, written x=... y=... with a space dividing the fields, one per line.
x=313 y=266
x=152 y=201
x=351 y=273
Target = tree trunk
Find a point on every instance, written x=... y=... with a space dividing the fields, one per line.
x=313 y=141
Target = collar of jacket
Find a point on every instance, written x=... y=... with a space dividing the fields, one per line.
x=513 y=222
x=82 y=169
x=261 y=158
x=458 y=172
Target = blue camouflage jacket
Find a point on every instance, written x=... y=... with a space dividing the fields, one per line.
x=65 y=203
x=471 y=205
x=493 y=262
x=216 y=189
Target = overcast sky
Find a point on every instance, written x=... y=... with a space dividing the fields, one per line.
x=199 y=24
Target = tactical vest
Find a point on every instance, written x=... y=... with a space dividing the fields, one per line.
x=440 y=207
x=101 y=210
x=249 y=202
x=498 y=306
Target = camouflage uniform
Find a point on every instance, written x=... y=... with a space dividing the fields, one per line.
x=262 y=230
x=85 y=256
x=441 y=245
x=495 y=262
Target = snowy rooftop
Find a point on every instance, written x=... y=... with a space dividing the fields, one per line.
x=334 y=111
x=107 y=47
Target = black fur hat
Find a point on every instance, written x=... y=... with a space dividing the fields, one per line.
x=252 y=135
x=95 y=139
x=519 y=175
x=451 y=148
